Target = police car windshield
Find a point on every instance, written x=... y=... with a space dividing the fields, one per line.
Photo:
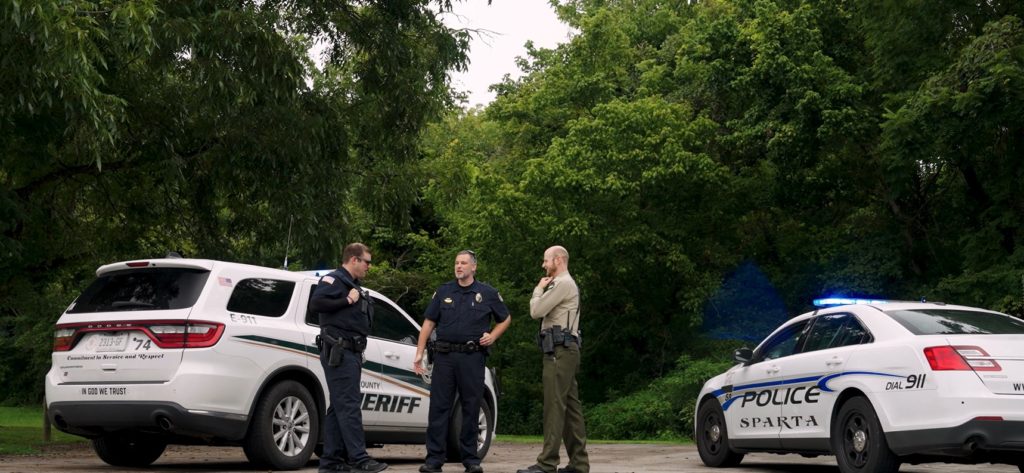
x=952 y=322
x=142 y=289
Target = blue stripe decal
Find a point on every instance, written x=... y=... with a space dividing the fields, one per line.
x=746 y=387
x=823 y=383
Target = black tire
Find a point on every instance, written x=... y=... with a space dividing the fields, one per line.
x=713 y=437
x=284 y=429
x=129 y=449
x=859 y=442
x=486 y=424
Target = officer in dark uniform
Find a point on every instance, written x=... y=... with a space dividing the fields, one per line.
x=345 y=317
x=461 y=310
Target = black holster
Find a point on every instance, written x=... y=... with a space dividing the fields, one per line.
x=556 y=336
x=336 y=347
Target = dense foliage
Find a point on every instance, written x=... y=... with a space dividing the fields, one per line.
x=711 y=166
x=130 y=128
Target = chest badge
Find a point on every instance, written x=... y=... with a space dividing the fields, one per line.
x=479 y=298
x=447 y=300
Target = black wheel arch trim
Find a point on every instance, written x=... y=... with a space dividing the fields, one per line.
x=306 y=377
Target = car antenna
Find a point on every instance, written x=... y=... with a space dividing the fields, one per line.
x=288 y=242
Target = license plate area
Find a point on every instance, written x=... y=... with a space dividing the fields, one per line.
x=106 y=342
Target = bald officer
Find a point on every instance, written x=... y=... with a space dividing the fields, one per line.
x=461 y=311
x=556 y=301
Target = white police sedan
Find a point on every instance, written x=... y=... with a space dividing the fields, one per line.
x=875 y=383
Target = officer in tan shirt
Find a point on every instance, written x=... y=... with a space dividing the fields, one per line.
x=556 y=301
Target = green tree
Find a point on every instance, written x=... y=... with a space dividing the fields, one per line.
x=131 y=128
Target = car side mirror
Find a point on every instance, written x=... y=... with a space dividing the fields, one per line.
x=743 y=355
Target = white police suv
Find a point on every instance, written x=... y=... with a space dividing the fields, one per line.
x=190 y=351
x=876 y=384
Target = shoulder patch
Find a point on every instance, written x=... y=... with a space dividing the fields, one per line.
x=499 y=297
x=433 y=296
x=328 y=279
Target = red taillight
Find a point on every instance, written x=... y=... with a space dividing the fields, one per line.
x=190 y=335
x=164 y=333
x=138 y=264
x=63 y=338
x=959 y=358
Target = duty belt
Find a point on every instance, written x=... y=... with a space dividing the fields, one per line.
x=550 y=338
x=357 y=344
x=442 y=346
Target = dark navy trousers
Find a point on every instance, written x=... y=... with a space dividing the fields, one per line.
x=344 y=440
x=464 y=373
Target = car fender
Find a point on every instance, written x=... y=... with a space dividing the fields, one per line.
x=297 y=373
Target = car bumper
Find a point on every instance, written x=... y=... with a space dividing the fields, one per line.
x=975 y=438
x=95 y=418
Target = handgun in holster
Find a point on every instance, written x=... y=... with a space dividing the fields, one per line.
x=546 y=342
x=431 y=351
x=335 y=353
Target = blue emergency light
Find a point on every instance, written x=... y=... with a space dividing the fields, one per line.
x=834 y=301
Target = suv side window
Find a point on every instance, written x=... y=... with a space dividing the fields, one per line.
x=312 y=316
x=783 y=343
x=257 y=296
x=390 y=324
x=834 y=330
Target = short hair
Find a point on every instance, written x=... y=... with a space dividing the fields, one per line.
x=472 y=255
x=353 y=250
x=557 y=251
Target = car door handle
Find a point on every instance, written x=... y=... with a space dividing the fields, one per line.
x=772 y=369
x=391 y=355
x=834 y=361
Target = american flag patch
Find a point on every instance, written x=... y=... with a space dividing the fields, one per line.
x=224 y=281
x=328 y=279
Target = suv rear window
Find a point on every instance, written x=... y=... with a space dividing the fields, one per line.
x=142 y=289
x=944 y=322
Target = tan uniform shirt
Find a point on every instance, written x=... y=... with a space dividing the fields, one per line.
x=557 y=304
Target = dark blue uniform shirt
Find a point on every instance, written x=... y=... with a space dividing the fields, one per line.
x=463 y=314
x=329 y=299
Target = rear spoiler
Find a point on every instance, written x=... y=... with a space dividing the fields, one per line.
x=157 y=263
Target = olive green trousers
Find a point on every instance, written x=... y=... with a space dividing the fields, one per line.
x=563 y=414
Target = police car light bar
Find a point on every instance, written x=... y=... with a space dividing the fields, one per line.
x=834 y=301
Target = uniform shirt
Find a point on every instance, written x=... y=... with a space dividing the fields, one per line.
x=558 y=303
x=330 y=300
x=463 y=314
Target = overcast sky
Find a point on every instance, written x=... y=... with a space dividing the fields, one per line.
x=510 y=24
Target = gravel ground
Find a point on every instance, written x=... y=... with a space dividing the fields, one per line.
x=504 y=458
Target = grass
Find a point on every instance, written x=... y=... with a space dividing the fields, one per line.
x=21 y=432
x=540 y=439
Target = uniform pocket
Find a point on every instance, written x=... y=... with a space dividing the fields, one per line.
x=446 y=316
